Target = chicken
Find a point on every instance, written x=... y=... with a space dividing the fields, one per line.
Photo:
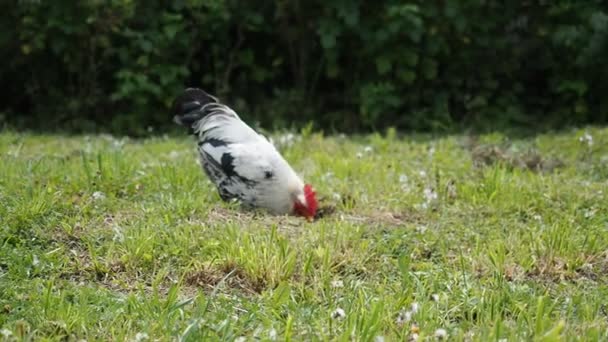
x=241 y=163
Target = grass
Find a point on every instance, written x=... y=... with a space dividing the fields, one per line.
x=487 y=238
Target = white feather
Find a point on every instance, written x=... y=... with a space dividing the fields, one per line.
x=254 y=157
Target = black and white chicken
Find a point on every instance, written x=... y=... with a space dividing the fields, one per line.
x=241 y=163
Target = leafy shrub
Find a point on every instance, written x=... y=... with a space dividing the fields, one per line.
x=348 y=65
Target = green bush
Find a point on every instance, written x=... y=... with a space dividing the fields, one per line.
x=346 y=65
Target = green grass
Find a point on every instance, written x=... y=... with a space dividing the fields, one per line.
x=116 y=239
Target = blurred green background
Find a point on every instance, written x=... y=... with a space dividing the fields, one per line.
x=343 y=65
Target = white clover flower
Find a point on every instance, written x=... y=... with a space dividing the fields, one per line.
x=404 y=317
x=586 y=138
x=272 y=334
x=98 y=195
x=140 y=337
x=430 y=194
x=379 y=339
x=337 y=283
x=35 y=260
x=403 y=178
x=422 y=229
x=368 y=149
x=338 y=314
x=415 y=307
x=118 y=144
x=435 y=297
x=589 y=213
x=286 y=139
x=6 y=333
x=441 y=334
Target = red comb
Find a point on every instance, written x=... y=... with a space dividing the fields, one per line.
x=311 y=200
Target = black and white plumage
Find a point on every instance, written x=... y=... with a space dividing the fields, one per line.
x=241 y=163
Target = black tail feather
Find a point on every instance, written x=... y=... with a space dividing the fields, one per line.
x=186 y=107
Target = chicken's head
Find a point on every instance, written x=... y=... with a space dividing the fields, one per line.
x=306 y=204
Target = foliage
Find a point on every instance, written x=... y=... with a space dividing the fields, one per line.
x=347 y=65
x=105 y=238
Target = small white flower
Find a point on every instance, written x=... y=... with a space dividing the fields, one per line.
x=435 y=297
x=98 y=195
x=537 y=217
x=415 y=307
x=421 y=229
x=430 y=194
x=359 y=155
x=589 y=213
x=272 y=334
x=337 y=283
x=286 y=139
x=413 y=337
x=586 y=138
x=173 y=155
x=441 y=334
x=336 y=196
x=338 y=314
x=368 y=149
x=118 y=144
x=403 y=178
x=140 y=337
x=503 y=340
x=379 y=339
x=35 y=260
x=240 y=339
x=404 y=317
x=422 y=173
x=6 y=333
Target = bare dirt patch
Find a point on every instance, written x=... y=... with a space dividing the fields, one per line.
x=510 y=156
x=228 y=274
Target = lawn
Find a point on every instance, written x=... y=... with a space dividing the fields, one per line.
x=478 y=238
